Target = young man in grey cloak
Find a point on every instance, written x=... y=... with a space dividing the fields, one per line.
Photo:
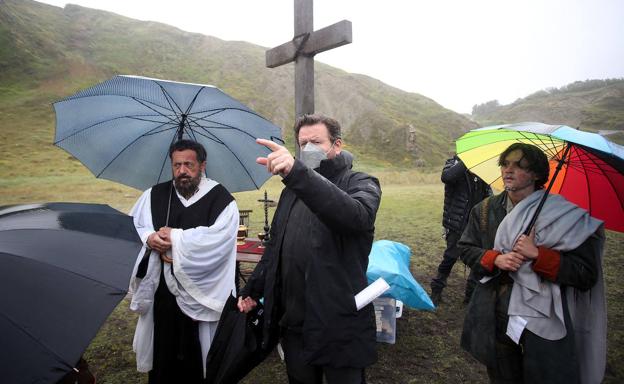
x=538 y=313
x=185 y=271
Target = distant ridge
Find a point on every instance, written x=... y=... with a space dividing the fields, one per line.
x=47 y=53
x=592 y=105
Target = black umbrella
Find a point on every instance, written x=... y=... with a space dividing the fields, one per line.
x=236 y=348
x=64 y=268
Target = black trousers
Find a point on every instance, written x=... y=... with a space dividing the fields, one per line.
x=301 y=373
x=535 y=360
x=177 y=351
x=450 y=257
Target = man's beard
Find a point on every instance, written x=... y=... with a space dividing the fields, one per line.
x=186 y=185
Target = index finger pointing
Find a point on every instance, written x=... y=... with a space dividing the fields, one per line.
x=273 y=146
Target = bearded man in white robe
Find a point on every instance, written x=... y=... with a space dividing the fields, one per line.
x=186 y=269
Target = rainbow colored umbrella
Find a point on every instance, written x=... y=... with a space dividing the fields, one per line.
x=592 y=172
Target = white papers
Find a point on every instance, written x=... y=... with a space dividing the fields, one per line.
x=370 y=293
x=515 y=326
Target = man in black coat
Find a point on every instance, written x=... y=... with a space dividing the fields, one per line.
x=462 y=190
x=316 y=259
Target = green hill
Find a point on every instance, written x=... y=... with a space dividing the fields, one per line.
x=592 y=105
x=47 y=52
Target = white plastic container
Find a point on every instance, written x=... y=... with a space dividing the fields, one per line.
x=385 y=316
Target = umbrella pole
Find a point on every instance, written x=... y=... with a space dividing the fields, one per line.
x=552 y=181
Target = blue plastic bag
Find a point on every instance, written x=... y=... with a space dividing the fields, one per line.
x=390 y=260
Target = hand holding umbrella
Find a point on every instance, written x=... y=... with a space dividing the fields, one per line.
x=158 y=242
x=525 y=245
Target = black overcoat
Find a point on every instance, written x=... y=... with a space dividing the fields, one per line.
x=340 y=220
x=462 y=190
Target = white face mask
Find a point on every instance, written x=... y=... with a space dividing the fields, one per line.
x=311 y=155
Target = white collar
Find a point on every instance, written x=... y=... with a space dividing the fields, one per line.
x=205 y=185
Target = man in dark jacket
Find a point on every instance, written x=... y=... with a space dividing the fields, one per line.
x=462 y=190
x=509 y=327
x=316 y=259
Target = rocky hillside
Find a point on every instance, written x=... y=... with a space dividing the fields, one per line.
x=47 y=52
x=593 y=105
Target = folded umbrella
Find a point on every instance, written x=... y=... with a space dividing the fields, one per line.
x=65 y=266
x=237 y=345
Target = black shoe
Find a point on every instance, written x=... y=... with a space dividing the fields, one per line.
x=436 y=296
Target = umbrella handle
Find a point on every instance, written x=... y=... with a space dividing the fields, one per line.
x=546 y=193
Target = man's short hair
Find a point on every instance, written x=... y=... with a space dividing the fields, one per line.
x=182 y=145
x=535 y=157
x=333 y=126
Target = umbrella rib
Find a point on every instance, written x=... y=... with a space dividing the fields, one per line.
x=144 y=103
x=539 y=139
x=589 y=202
x=91 y=126
x=236 y=156
x=127 y=146
x=162 y=167
x=86 y=128
x=210 y=112
x=37 y=341
x=219 y=110
x=148 y=120
x=224 y=126
x=193 y=101
x=212 y=137
x=608 y=180
x=138 y=100
x=169 y=99
x=157 y=132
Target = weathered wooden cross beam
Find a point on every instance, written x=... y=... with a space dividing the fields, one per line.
x=302 y=48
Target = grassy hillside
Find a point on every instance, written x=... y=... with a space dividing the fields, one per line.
x=47 y=53
x=427 y=345
x=592 y=105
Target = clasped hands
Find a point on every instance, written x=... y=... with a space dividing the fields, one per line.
x=161 y=242
x=524 y=250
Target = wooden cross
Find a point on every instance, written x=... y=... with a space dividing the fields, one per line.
x=267 y=203
x=302 y=48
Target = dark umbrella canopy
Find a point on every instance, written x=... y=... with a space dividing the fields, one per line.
x=236 y=348
x=121 y=130
x=65 y=266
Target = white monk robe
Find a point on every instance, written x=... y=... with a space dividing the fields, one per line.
x=204 y=263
